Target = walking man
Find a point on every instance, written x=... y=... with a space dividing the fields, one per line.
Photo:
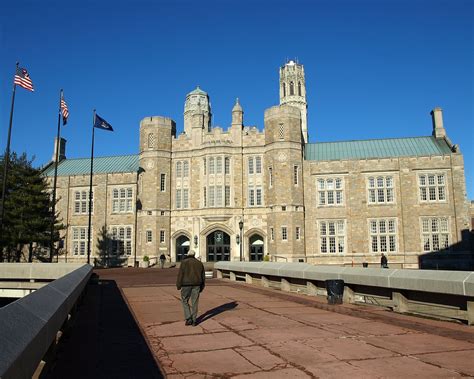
x=383 y=261
x=162 y=260
x=191 y=281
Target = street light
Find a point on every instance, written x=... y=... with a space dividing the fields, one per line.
x=241 y=226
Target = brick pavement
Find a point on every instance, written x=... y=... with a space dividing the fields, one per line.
x=251 y=332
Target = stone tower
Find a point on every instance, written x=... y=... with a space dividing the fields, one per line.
x=154 y=184
x=197 y=111
x=284 y=193
x=293 y=91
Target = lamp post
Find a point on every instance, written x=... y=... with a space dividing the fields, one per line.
x=241 y=226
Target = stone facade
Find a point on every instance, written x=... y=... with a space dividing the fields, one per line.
x=243 y=193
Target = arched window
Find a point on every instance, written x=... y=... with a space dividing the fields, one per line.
x=284 y=89
x=292 y=88
x=299 y=88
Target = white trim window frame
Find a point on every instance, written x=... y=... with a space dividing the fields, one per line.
x=332 y=236
x=435 y=233
x=121 y=240
x=149 y=236
x=284 y=233
x=330 y=192
x=432 y=187
x=383 y=235
x=380 y=190
x=79 y=240
x=122 y=200
x=81 y=202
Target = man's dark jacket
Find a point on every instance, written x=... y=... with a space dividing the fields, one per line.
x=191 y=273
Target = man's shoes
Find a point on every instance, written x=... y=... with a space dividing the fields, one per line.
x=194 y=323
x=188 y=322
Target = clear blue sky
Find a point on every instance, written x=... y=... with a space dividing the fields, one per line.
x=374 y=69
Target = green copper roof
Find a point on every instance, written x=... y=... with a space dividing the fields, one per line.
x=82 y=166
x=376 y=148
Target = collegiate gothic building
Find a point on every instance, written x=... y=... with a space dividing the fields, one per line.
x=242 y=193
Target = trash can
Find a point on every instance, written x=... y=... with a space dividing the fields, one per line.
x=335 y=290
x=365 y=264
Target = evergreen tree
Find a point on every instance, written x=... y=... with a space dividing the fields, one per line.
x=27 y=216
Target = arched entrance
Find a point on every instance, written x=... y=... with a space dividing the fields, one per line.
x=256 y=247
x=218 y=246
x=182 y=247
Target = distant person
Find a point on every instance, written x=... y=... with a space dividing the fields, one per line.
x=266 y=258
x=383 y=261
x=162 y=260
x=191 y=281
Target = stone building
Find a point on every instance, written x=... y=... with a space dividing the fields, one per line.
x=241 y=193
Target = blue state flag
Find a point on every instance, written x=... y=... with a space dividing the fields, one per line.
x=100 y=123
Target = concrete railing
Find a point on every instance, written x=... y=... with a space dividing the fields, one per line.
x=405 y=290
x=29 y=327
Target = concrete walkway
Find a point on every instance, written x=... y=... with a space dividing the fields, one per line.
x=250 y=332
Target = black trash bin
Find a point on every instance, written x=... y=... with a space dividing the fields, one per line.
x=365 y=264
x=335 y=289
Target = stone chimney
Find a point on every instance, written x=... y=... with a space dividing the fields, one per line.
x=62 y=149
x=438 y=128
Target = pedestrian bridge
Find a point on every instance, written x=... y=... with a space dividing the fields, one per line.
x=256 y=321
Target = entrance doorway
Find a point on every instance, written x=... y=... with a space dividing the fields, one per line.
x=218 y=246
x=256 y=247
x=182 y=248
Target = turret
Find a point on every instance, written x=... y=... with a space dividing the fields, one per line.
x=293 y=92
x=237 y=114
x=197 y=111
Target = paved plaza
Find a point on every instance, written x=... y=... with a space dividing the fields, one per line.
x=246 y=331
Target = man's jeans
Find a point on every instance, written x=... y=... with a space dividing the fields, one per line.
x=190 y=293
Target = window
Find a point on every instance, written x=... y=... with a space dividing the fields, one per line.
x=281 y=131
x=284 y=89
x=227 y=165
x=81 y=202
x=149 y=236
x=270 y=177
x=283 y=208
x=211 y=196
x=330 y=191
x=298 y=233
x=122 y=200
x=79 y=240
x=185 y=198
x=299 y=88
x=151 y=141
x=251 y=166
x=218 y=196
x=258 y=165
x=332 y=235
x=219 y=165
x=383 y=235
x=211 y=166
x=255 y=196
x=295 y=175
x=284 y=233
x=185 y=169
x=162 y=236
x=178 y=199
x=292 y=88
x=380 y=189
x=272 y=234
x=434 y=233
x=121 y=240
x=179 y=171
x=227 y=196
x=204 y=192
x=432 y=187
x=163 y=182
x=204 y=166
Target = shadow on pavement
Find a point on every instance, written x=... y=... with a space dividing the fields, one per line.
x=215 y=311
x=104 y=340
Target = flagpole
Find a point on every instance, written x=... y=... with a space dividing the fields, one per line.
x=6 y=162
x=55 y=181
x=90 y=194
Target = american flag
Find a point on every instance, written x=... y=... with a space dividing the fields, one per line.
x=22 y=78
x=64 y=110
